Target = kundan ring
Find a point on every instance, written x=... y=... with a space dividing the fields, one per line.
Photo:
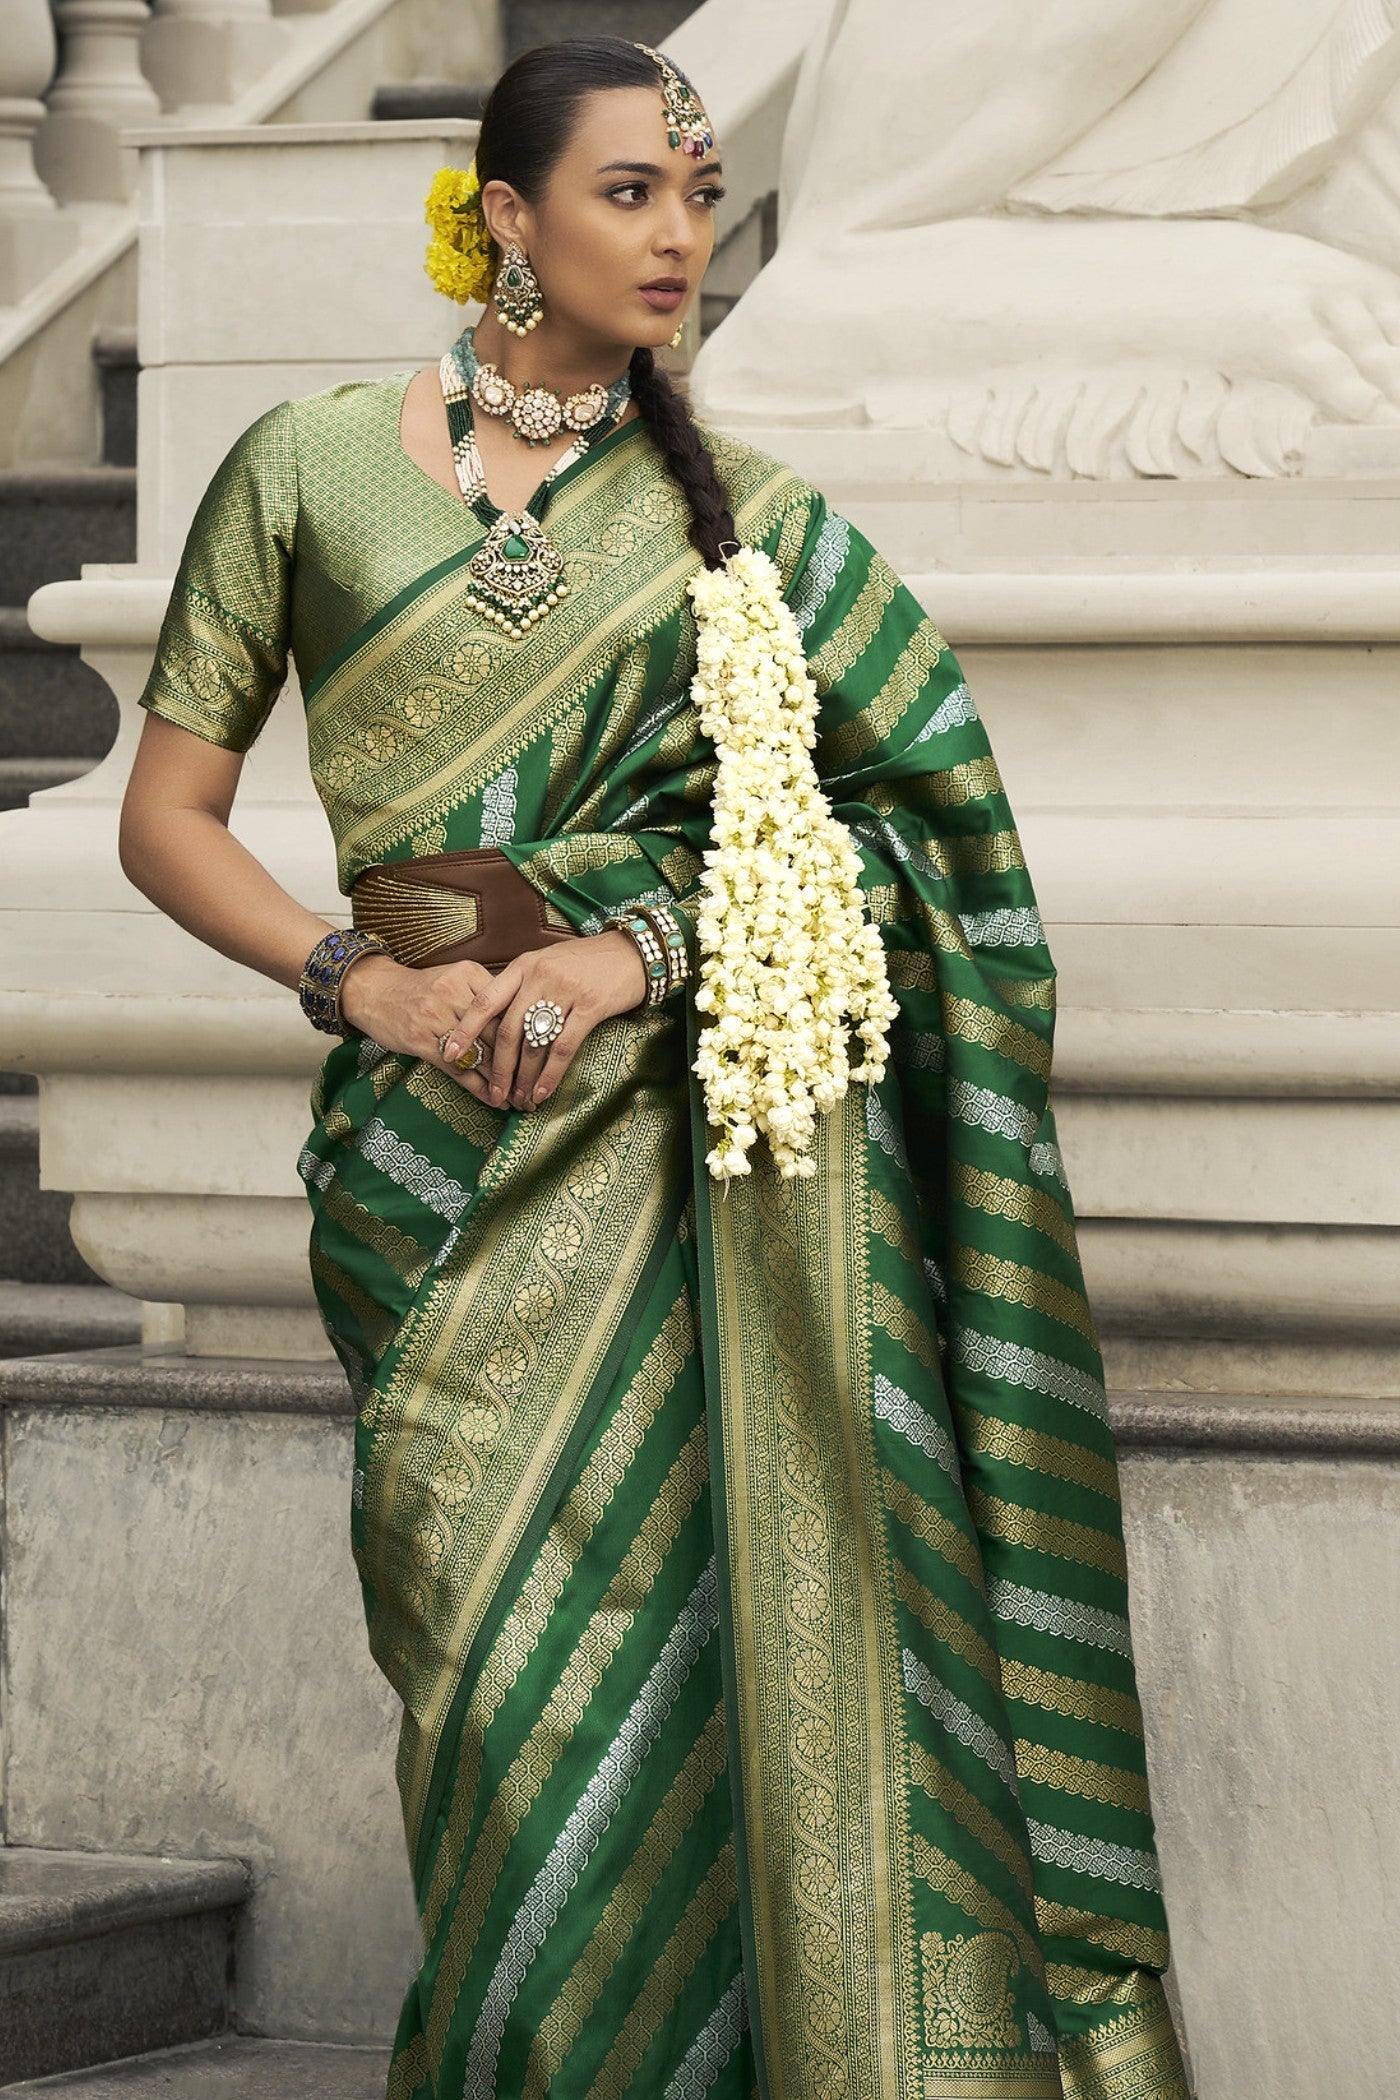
x=543 y=1021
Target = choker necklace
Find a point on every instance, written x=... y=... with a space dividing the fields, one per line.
x=537 y=413
x=516 y=575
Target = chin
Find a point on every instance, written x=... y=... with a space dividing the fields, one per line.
x=656 y=333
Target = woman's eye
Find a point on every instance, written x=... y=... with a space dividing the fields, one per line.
x=712 y=193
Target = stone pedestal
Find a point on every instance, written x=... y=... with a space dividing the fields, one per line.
x=208 y=51
x=100 y=89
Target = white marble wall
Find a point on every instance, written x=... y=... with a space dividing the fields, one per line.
x=1266 y=1598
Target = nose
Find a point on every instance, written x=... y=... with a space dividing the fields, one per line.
x=676 y=235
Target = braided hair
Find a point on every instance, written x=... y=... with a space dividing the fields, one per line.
x=525 y=126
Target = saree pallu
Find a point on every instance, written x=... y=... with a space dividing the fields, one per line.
x=748 y=1562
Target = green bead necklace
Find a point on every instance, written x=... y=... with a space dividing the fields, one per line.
x=516 y=575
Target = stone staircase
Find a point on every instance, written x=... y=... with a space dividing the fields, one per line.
x=103 y=1956
x=236 y=2068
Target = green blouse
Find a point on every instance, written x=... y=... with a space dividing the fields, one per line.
x=320 y=539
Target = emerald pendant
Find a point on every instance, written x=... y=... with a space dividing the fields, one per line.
x=516 y=575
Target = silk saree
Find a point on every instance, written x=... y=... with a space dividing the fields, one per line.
x=748 y=1560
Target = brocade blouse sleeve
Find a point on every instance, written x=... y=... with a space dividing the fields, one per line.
x=221 y=658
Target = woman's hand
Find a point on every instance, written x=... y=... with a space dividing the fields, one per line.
x=591 y=978
x=411 y=1011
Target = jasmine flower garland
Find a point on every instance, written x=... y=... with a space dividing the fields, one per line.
x=790 y=964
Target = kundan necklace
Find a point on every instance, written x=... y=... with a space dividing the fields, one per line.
x=536 y=412
x=516 y=575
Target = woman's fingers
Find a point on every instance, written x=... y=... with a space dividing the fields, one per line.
x=554 y=1061
x=516 y=1062
x=485 y=995
x=466 y=1004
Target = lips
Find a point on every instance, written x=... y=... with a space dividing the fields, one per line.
x=665 y=284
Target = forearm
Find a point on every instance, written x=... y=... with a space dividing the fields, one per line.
x=192 y=867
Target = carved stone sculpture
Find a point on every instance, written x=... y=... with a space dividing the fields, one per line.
x=1154 y=239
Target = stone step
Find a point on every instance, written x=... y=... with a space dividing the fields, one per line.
x=114 y=354
x=429 y=98
x=234 y=2068
x=53 y=519
x=52 y=704
x=105 y=1956
x=45 y=1319
x=35 y=1243
x=22 y=777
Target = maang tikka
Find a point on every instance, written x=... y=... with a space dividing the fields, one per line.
x=519 y=300
x=687 y=126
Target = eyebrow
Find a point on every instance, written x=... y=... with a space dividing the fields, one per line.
x=649 y=167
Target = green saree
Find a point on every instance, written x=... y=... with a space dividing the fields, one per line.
x=748 y=1563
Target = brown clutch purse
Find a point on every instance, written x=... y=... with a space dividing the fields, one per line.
x=469 y=906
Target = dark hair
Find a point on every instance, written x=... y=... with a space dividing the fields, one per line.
x=526 y=125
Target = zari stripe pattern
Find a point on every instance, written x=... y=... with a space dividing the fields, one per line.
x=749 y=1567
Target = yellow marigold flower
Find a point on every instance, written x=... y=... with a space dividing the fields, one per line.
x=461 y=257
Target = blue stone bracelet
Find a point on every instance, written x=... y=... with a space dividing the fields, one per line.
x=323 y=970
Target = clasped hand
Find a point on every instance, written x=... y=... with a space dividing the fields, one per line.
x=412 y=1011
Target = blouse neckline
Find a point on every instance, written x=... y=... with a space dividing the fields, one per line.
x=455 y=497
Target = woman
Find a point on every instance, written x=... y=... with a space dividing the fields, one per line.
x=748 y=1563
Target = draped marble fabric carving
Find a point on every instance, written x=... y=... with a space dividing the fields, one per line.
x=749 y=1565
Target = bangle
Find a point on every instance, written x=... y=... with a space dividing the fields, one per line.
x=668 y=931
x=653 y=957
x=658 y=936
x=324 y=969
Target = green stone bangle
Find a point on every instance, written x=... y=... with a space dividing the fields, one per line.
x=668 y=932
x=653 y=957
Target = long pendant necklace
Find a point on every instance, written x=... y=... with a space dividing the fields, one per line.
x=516 y=575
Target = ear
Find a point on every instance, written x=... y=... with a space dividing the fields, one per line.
x=506 y=214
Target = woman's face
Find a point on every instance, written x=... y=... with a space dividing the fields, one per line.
x=622 y=208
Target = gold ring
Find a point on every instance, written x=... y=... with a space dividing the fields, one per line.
x=470 y=1057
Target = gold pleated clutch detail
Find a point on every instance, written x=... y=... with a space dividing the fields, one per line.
x=473 y=905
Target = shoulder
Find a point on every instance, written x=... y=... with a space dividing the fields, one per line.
x=340 y=411
x=348 y=407
x=773 y=505
x=749 y=473
x=310 y=439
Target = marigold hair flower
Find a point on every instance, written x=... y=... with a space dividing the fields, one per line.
x=462 y=257
x=790 y=964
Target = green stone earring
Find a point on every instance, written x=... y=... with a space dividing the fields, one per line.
x=519 y=301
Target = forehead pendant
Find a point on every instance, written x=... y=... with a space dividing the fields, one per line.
x=687 y=126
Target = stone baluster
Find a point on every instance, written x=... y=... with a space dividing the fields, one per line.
x=99 y=89
x=33 y=233
x=206 y=52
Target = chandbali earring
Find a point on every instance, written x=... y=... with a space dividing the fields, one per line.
x=519 y=301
